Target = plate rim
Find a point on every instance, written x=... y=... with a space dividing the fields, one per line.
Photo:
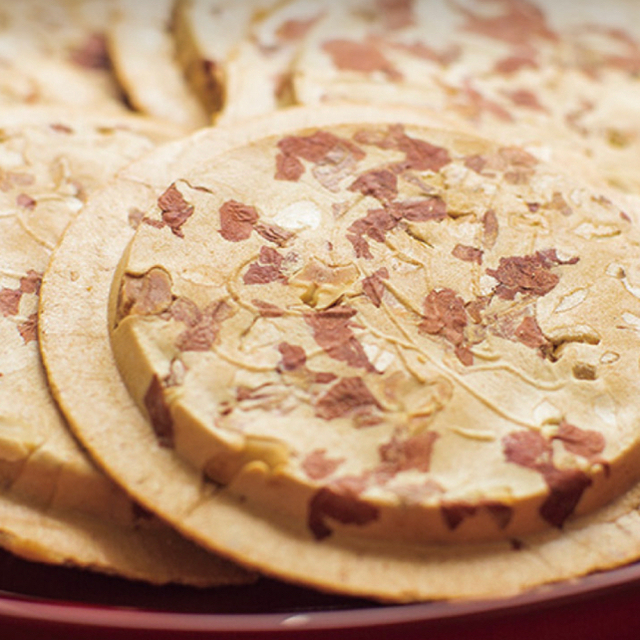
x=19 y=606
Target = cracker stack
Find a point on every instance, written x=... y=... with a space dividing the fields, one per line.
x=344 y=294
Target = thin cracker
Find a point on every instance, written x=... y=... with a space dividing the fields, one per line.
x=103 y=415
x=55 y=506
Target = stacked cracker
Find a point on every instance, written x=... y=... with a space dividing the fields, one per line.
x=347 y=345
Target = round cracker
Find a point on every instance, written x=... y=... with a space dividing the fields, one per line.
x=54 y=53
x=540 y=74
x=206 y=31
x=450 y=327
x=141 y=49
x=147 y=551
x=259 y=66
x=55 y=505
x=73 y=323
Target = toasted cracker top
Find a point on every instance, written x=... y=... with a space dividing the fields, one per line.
x=75 y=335
x=398 y=326
x=55 y=505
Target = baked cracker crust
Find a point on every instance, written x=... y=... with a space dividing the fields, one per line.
x=101 y=412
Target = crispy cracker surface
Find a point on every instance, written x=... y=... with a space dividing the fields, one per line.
x=56 y=506
x=142 y=51
x=415 y=333
x=104 y=415
x=544 y=74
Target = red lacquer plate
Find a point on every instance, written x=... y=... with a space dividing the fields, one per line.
x=40 y=602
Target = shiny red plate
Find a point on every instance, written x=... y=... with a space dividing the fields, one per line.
x=40 y=602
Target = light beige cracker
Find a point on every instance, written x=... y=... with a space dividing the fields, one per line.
x=258 y=76
x=330 y=548
x=206 y=32
x=143 y=54
x=558 y=77
x=55 y=505
x=429 y=307
x=54 y=52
